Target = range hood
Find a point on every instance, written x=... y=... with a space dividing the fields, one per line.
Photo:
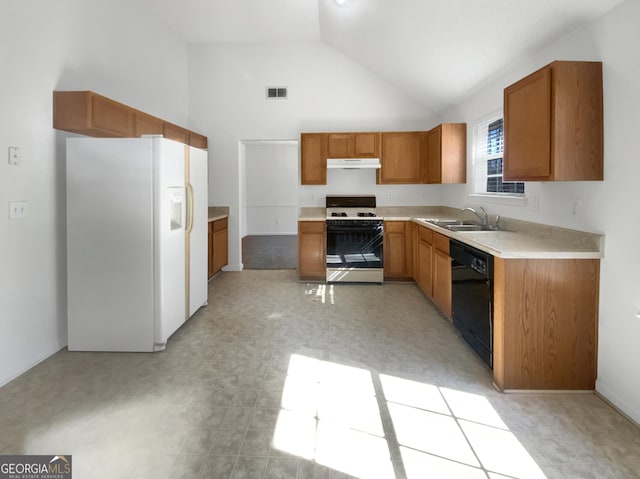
x=353 y=163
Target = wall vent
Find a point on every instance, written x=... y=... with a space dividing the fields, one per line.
x=277 y=93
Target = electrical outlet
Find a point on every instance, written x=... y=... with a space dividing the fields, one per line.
x=576 y=206
x=18 y=210
x=535 y=203
x=14 y=155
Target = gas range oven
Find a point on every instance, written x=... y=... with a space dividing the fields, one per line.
x=354 y=240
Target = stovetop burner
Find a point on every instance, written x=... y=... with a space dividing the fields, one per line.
x=353 y=207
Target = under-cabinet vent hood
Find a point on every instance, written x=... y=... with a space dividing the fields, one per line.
x=353 y=163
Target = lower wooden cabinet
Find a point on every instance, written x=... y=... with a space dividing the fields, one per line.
x=218 y=245
x=545 y=319
x=424 y=253
x=312 y=250
x=432 y=270
x=442 y=274
x=398 y=250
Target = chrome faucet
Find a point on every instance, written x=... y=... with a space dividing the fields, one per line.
x=482 y=216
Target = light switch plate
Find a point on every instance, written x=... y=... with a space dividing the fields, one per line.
x=18 y=210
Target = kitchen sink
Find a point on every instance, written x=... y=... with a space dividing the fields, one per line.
x=470 y=227
x=447 y=223
x=460 y=225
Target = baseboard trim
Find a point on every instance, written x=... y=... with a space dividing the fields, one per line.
x=618 y=410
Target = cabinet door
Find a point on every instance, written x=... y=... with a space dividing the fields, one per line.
x=425 y=253
x=313 y=158
x=366 y=145
x=397 y=250
x=147 y=125
x=453 y=153
x=177 y=133
x=442 y=281
x=527 y=128
x=111 y=117
x=220 y=244
x=210 y=269
x=311 y=250
x=340 y=145
x=577 y=112
x=434 y=155
x=400 y=158
x=198 y=141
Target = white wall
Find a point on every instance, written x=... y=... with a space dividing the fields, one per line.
x=272 y=178
x=327 y=92
x=608 y=207
x=70 y=44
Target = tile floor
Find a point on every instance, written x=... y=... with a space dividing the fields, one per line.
x=281 y=379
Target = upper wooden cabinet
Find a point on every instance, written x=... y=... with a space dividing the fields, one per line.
x=553 y=124
x=400 y=158
x=444 y=154
x=406 y=157
x=313 y=158
x=197 y=140
x=353 y=145
x=88 y=113
x=147 y=125
x=175 y=132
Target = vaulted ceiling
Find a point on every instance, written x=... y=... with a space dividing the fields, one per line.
x=436 y=51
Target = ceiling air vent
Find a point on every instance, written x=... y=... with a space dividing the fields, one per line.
x=279 y=92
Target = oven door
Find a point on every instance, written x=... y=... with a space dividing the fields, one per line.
x=354 y=250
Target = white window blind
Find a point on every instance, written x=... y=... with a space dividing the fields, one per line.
x=487 y=160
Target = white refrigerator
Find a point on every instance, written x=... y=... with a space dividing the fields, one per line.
x=136 y=241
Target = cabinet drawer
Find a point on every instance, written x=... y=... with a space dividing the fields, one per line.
x=394 y=226
x=311 y=226
x=425 y=234
x=441 y=242
x=219 y=224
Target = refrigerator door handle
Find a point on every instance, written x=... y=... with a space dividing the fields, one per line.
x=189 y=226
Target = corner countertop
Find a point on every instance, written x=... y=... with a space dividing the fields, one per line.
x=218 y=212
x=515 y=239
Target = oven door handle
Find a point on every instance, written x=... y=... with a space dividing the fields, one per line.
x=353 y=229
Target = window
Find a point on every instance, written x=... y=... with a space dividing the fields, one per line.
x=488 y=147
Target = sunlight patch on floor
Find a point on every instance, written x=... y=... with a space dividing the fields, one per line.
x=330 y=413
x=322 y=293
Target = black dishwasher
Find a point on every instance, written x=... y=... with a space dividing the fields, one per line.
x=472 y=297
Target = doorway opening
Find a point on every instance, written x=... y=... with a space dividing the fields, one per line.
x=270 y=203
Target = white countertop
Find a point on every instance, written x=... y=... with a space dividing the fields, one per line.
x=519 y=239
x=218 y=212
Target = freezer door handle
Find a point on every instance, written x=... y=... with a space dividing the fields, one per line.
x=189 y=207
